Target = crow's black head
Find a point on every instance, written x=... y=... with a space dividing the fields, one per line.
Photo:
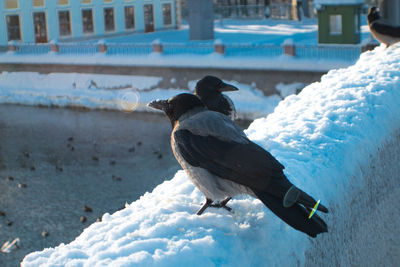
x=373 y=14
x=211 y=86
x=176 y=106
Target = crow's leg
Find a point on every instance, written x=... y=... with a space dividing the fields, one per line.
x=209 y=203
x=222 y=204
x=205 y=206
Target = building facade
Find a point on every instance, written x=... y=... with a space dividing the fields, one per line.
x=39 y=21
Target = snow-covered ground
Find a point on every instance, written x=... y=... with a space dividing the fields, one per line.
x=233 y=32
x=213 y=61
x=253 y=31
x=121 y=92
x=326 y=137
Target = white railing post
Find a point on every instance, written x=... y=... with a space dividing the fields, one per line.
x=101 y=46
x=12 y=46
x=219 y=47
x=54 y=48
x=289 y=48
x=157 y=46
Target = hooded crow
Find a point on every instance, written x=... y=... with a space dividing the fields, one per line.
x=210 y=89
x=222 y=162
x=382 y=30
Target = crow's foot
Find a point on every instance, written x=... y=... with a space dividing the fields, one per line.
x=222 y=204
x=209 y=203
x=205 y=206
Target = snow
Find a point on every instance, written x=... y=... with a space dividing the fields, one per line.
x=227 y=31
x=289 y=89
x=184 y=61
x=325 y=136
x=338 y=2
x=232 y=32
x=236 y=31
x=115 y=92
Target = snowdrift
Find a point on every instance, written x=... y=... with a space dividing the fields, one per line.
x=339 y=140
x=126 y=93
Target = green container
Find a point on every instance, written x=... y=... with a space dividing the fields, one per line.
x=339 y=24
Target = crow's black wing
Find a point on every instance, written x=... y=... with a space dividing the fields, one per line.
x=386 y=29
x=243 y=163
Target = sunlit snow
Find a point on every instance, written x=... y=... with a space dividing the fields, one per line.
x=326 y=137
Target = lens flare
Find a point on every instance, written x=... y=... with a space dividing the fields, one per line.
x=314 y=209
x=128 y=100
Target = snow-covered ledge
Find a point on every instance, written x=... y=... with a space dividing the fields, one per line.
x=369 y=235
x=339 y=140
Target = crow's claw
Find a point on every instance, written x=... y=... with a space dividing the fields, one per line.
x=209 y=203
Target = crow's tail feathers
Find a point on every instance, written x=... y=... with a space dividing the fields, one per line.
x=290 y=194
x=309 y=202
x=296 y=215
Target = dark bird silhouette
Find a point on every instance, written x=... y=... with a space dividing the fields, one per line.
x=222 y=162
x=382 y=30
x=210 y=89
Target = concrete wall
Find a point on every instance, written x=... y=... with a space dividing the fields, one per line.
x=265 y=80
x=390 y=9
x=366 y=232
x=201 y=19
x=25 y=10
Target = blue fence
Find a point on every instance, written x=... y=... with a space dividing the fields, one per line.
x=350 y=53
x=129 y=49
x=35 y=49
x=77 y=49
x=264 y=50
x=324 y=52
x=195 y=49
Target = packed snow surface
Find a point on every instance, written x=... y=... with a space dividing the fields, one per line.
x=338 y=2
x=228 y=31
x=243 y=31
x=120 y=92
x=321 y=135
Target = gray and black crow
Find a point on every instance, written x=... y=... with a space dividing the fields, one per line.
x=210 y=89
x=383 y=31
x=222 y=162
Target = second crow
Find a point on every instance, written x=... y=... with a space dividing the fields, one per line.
x=383 y=31
x=222 y=162
x=210 y=89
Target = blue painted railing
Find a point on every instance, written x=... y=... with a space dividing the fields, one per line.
x=257 y=50
x=324 y=52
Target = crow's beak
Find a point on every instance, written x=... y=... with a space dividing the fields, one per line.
x=227 y=87
x=158 y=104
